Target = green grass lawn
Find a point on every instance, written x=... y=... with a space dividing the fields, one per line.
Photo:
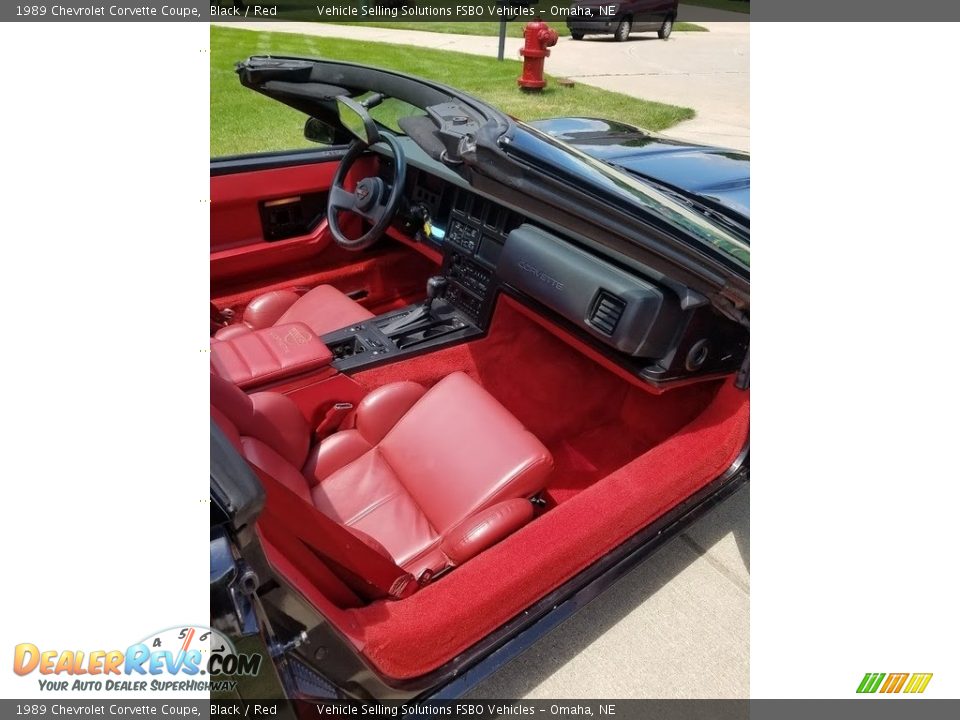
x=242 y=121
x=492 y=29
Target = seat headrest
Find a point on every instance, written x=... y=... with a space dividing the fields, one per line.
x=232 y=402
x=269 y=417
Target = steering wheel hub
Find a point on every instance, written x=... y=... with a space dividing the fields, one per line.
x=373 y=199
x=368 y=192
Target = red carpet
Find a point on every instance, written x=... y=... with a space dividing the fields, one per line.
x=623 y=458
x=592 y=420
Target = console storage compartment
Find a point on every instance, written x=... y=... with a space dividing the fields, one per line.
x=264 y=356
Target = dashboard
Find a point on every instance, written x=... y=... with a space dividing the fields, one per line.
x=643 y=325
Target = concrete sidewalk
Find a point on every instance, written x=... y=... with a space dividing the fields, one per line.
x=678 y=626
x=708 y=72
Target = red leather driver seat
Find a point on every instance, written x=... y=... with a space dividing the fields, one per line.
x=428 y=478
x=323 y=309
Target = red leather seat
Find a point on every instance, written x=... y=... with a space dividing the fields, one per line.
x=428 y=478
x=323 y=309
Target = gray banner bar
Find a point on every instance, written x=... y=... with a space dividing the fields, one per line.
x=95 y=11
x=44 y=709
x=867 y=708
x=464 y=11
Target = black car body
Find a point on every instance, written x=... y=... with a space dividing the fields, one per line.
x=624 y=227
x=717 y=177
x=591 y=17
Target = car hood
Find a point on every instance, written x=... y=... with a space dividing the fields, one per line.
x=718 y=175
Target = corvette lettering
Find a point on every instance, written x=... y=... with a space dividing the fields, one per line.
x=540 y=275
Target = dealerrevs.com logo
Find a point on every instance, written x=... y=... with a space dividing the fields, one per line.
x=909 y=683
x=183 y=659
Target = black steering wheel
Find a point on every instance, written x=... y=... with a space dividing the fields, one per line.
x=370 y=199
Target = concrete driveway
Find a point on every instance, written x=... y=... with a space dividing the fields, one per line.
x=707 y=71
x=678 y=626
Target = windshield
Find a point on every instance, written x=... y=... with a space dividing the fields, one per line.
x=389 y=111
x=574 y=162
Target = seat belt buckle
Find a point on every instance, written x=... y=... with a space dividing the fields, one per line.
x=333 y=419
x=219 y=318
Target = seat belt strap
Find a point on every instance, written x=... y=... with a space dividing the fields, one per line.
x=306 y=561
x=363 y=569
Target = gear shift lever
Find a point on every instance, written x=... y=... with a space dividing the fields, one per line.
x=435 y=288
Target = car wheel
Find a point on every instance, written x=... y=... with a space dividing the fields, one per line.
x=666 y=28
x=623 y=30
x=577 y=36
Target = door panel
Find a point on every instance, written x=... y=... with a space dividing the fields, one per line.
x=241 y=242
x=235 y=217
x=256 y=244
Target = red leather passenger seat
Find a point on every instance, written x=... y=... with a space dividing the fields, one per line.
x=429 y=478
x=323 y=309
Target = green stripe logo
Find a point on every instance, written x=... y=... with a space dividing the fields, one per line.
x=871 y=682
x=896 y=682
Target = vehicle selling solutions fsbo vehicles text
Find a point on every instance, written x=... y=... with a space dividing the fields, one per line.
x=462 y=10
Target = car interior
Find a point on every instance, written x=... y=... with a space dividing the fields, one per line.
x=454 y=406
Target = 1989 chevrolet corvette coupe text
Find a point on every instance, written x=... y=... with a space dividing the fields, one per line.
x=465 y=372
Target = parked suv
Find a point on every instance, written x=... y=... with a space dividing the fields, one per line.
x=627 y=17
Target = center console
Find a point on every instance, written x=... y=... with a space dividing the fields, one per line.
x=385 y=338
x=472 y=246
x=467 y=230
x=260 y=357
x=459 y=300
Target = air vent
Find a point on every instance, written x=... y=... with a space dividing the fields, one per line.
x=478 y=210
x=606 y=312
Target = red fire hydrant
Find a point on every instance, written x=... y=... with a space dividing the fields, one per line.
x=537 y=37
